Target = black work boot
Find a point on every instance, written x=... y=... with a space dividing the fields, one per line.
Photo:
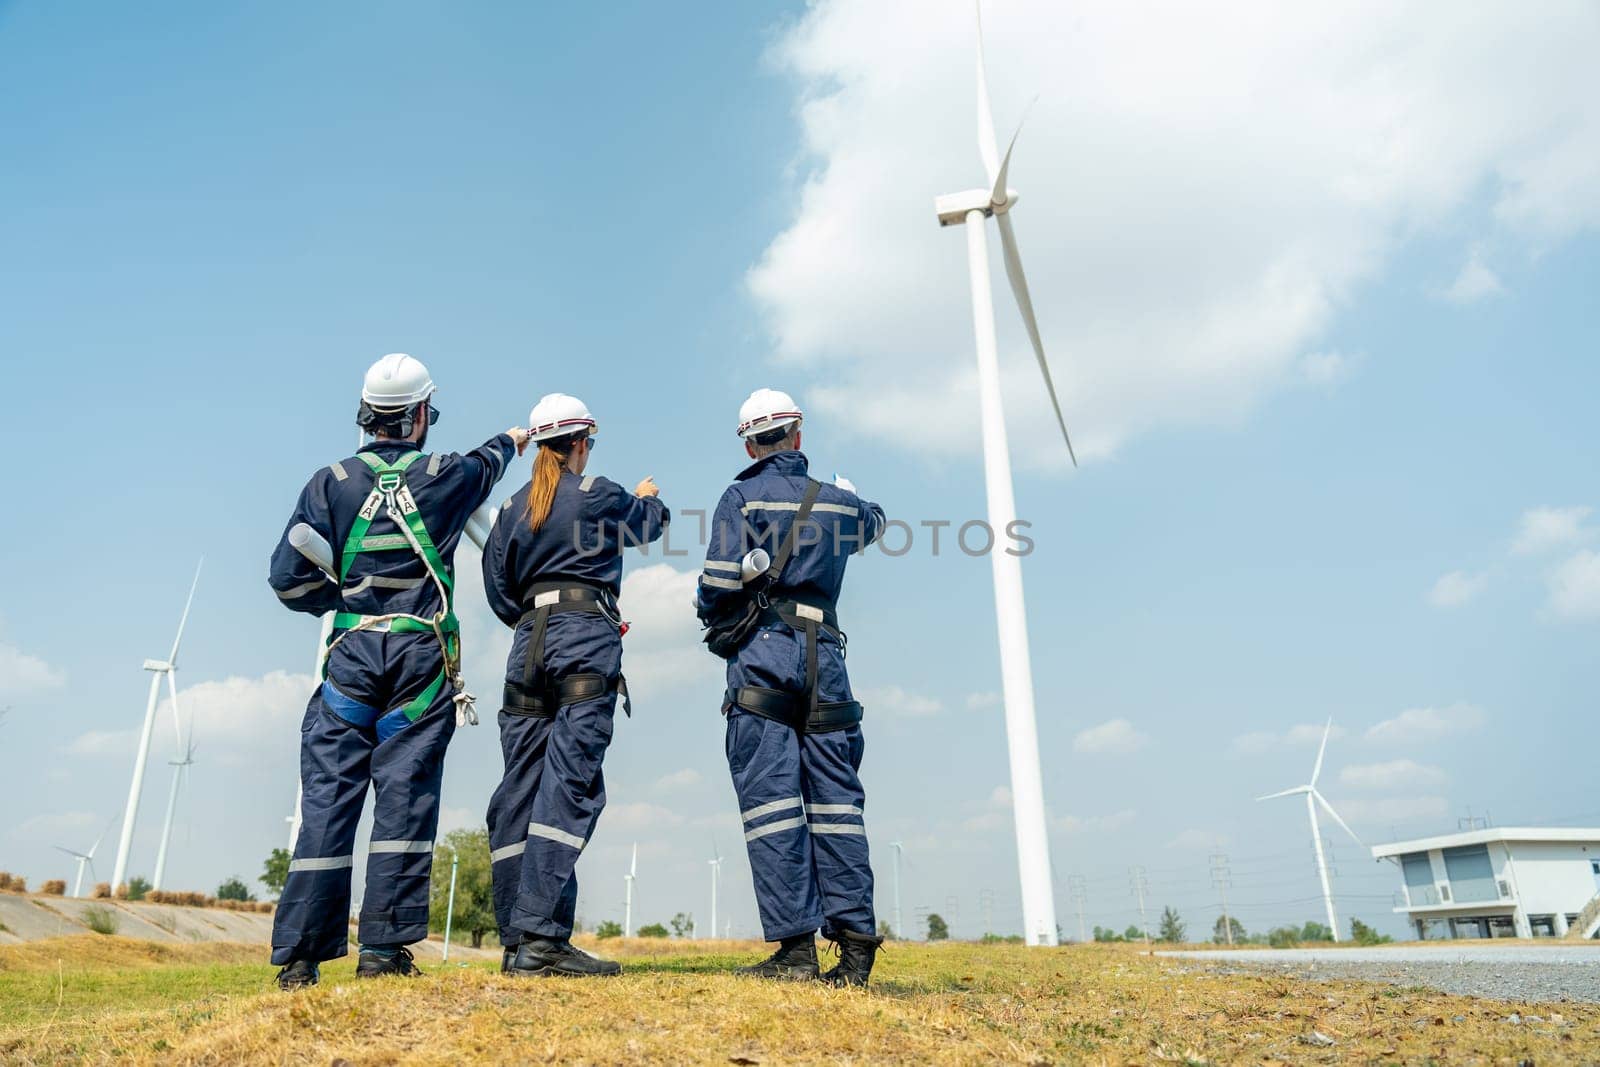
x=795 y=960
x=543 y=957
x=380 y=964
x=298 y=974
x=507 y=954
x=856 y=953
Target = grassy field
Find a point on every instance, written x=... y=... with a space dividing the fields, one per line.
x=98 y=999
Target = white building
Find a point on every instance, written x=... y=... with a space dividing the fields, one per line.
x=1500 y=882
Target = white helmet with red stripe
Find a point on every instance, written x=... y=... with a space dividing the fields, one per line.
x=559 y=415
x=767 y=410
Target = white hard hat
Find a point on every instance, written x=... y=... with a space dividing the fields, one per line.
x=559 y=415
x=396 y=382
x=767 y=410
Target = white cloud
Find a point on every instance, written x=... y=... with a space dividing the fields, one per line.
x=1426 y=724
x=1394 y=809
x=1457 y=588
x=895 y=701
x=1093 y=824
x=1392 y=775
x=1311 y=733
x=1197 y=203
x=1255 y=743
x=1575 y=588
x=1543 y=529
x=1195 y=840
x=1475 y=281
x=683 y=779
x=22 y=672
x=1259 y=742
x=1326 y=368
x=235 y=715
x=1111 y=736
x=459 y=819
x=639 y=816
x=982 y=701
x=102 y=743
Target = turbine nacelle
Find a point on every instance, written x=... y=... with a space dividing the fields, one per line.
x=953 y=208
x=159 y=666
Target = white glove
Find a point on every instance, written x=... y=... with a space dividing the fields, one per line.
x=845 y=483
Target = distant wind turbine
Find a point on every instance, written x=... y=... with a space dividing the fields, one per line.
x=627 y=907
x=157 y=668
x=1313 y=798
x=86 y=859
x=180 y=772
x=716 y=876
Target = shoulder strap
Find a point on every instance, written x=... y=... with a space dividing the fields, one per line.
x=786 y=549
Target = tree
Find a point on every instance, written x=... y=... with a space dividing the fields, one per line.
x=938 y=930
x=1173 y=929
x=138 y=887
x=1315 y=931
x=682 y=924
x=275 y=872
x=608 y=928
x=884 y=931
x=474 y=912
x=1101 y=933
x=1132 y=933
x=1362 y=934
x=1219 y=932
x=653 y=930
x=232 y=889
x=1283 y=937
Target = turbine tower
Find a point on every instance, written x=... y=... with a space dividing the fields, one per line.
x=627 y=906
x=898 y=847
x=180 y=771
x=972 y=209
x=157 y=668
x=716 y=876
x=1313 y=798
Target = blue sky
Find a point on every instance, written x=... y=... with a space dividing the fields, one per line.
x=1319 y=366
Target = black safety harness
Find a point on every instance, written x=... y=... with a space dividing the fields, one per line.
x=809 y=616
x=538 y=695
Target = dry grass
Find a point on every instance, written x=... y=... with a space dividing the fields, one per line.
x=132 y=1002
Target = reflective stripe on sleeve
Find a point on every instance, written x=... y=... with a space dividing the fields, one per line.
x=326 y=863
x=505 y=852
x=720 y=583
x=838 y=828
x=833 y=809
x=719 y=565
x=302 y=589
x=400 y=846
x=793 y=505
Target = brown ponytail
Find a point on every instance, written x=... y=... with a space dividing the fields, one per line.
x=547 y=468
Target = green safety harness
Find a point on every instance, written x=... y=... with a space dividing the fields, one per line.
x=389 y=491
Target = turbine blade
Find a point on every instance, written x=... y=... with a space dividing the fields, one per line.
x=1329 y=809
x=986 y=141
x=633 y=867
x=1285 y=793
x=1019 y=289
x=177 y=718
x=68 y=851
x=1322 y=748
x=187 y=604
x=997 y=182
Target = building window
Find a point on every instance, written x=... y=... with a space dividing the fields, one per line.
x=1502 y=926
x=1471 y=874
x=1418 y=872
x=1542 y=925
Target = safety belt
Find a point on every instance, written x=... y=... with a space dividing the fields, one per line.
x=390 y=492
x=543 y=600
x=804 y=713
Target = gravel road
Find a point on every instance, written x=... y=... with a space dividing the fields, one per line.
x=1565 y=971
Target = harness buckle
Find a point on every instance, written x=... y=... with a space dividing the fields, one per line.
x=389 y=481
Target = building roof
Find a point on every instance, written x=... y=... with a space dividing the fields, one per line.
x=1554 y=834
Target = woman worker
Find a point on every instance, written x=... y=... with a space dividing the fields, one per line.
x=552 y=569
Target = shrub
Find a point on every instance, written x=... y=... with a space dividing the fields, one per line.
x=234 y=889
x=138 y=888
x=1362 y=934
x=653 y=930
x=102 y=891
x=1284 y=937
x=12 y=883
x=55 y=887
x=609 y=928
x=100 y=919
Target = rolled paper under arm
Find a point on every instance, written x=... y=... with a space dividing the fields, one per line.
x=479 y=523
x=755 y=564
x=313 y=546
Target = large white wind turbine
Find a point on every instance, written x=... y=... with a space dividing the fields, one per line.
x=627 y=906
x=86 y=859
x=972 y=209
x=1313 y=798
x=157 y=667
x=716 y=876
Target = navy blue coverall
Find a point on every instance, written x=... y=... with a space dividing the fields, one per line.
x=799 y=793
x=356 y=733
x=546 y=807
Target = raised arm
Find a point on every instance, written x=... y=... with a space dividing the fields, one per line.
x=300 y=584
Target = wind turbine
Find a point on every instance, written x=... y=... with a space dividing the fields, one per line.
x=627 y=907
x=972 y=209
x=157 y=668
x=716 y=876
x=180 y=771
x=1313 y=798
x=86 y=858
